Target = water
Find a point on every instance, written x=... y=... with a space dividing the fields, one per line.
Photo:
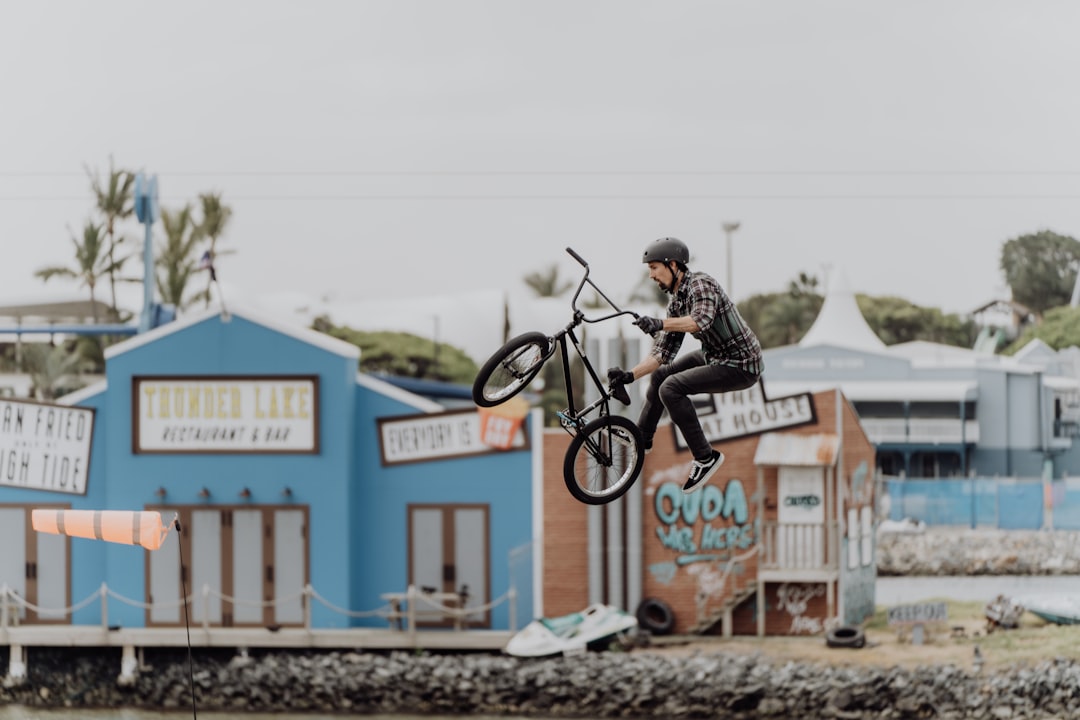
x=19 y=712
x=981 y=588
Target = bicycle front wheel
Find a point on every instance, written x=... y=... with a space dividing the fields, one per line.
x=510 y=369
x=604 y=460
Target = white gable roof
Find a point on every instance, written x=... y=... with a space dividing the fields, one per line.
x=291 y=329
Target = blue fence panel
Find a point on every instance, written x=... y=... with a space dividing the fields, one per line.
x=1020 y=506
x=944 y=501
x=1003 y=503
x=1066 y=499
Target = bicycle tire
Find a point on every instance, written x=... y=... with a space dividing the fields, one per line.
x=510 y=369
x=594 y=474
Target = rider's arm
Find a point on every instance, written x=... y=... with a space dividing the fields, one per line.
x=646 y=366
x=684 y=324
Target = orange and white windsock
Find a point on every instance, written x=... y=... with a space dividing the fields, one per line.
x=130 y=527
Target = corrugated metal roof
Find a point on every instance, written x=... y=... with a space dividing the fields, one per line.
x=802 y=450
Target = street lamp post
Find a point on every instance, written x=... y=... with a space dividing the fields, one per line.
x=729 y=229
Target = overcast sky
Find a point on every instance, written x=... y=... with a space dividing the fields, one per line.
x=386 y=149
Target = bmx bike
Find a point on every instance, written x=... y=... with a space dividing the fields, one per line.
x=607 y=450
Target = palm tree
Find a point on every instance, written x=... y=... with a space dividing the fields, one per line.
x=92 y=262
x=215 y=216
x=176 y=261
x=546 y=283
x=49 y=367
x=115 y=201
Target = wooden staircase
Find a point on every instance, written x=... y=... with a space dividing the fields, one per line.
x=723 y=612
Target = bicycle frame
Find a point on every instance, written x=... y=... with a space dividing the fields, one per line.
x=573 y=417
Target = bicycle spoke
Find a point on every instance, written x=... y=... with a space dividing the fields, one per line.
x=604 y=461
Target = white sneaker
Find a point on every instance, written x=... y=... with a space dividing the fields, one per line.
x=700 y=472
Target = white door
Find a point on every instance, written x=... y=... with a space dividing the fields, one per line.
x=206 y=566
x=448 y=552
x=13 y=557
x=800 y=535
x=163 y=565
x=290 y=566
x=247 y=563
x=51 y=572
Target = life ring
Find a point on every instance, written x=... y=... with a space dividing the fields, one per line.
x=845 y=636
x=655 y=616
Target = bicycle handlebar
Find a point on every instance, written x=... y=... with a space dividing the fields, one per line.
x=586 y=281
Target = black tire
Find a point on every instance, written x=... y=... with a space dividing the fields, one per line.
x=604 y=460
x=655 y=616
x=510 y=369
x=845 y=636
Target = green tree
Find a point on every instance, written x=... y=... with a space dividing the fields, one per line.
x=1059 y=329
x=115 y=201
x=92 y=263
x=215 y=217
x=52 y=369
x=1041 y=269
x=404 y=354
x=176 y=263
x=896 y=320
x=783 y=318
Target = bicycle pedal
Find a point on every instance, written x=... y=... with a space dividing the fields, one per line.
x=564 y=419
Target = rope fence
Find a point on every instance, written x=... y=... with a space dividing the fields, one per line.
x=417 y=602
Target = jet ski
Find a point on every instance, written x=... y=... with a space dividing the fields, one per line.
x=577 y=632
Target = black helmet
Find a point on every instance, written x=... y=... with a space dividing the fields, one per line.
x=665 y=250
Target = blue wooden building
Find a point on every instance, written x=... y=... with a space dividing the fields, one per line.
x=305 y=491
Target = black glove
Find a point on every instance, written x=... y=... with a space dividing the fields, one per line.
x=618 y=376
x=649 y=325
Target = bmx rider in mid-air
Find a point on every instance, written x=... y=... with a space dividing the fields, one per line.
x=729 y=358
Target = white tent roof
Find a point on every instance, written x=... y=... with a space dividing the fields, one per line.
x=840 y=322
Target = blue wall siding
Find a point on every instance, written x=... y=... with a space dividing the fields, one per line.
x=501 y=480
x=239 y=347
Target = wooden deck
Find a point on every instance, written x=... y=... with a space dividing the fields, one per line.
x=346 y=638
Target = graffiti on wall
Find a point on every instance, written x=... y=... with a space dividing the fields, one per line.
x=794 y=599
x=701 y=525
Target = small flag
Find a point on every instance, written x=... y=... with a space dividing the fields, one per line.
x=207 y=263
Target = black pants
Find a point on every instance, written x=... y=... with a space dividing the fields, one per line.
x=671 y=384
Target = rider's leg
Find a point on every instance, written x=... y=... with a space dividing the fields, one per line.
x=675 y=389
x=653 y=407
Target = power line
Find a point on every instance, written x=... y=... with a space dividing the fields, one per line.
x=646 y=196
x=548 y=173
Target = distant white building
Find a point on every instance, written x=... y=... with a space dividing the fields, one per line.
x=936 y=410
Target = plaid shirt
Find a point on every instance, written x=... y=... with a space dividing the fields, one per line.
x=725 y=337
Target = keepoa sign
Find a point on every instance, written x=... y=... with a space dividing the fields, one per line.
x=731 y=415
x=45 y=446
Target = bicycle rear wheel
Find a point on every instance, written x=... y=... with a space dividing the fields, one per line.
x=604 y=460
x=510 y=369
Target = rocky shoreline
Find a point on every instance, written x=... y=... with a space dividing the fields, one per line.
x=639 y=684
x=593 y=685
x=959 y=551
